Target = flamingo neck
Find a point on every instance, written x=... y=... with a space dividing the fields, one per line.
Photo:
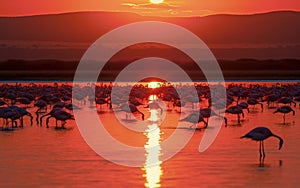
x=280 y=140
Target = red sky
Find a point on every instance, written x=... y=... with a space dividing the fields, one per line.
x=144 y=7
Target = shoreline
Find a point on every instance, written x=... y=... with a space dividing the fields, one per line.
x=241 y=69
x=69 y=76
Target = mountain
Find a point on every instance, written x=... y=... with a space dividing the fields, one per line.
x=273 y=35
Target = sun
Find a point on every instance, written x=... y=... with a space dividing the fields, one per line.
x=153 y=85
x=156 y=1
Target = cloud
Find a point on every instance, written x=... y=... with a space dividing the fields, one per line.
x=144 y=6
x=166 y=9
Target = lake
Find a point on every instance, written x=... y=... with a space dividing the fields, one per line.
x=35 y=156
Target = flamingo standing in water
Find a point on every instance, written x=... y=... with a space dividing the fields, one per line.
x=287 y=100
x=42 y=105
x=208 y=112
x=21 y=113
x=194 y=118
x=260 y=134
x=154 y=106
x=235 y=110
x=49 y=114
x=244 y=105
x=296 y=99
x=254 y=102
x=130 y=108
x=284 y=110
x=60 y=115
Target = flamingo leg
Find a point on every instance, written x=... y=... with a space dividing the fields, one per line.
x=239 y=121
x=260 y=154
x=205 y=123
x=263 y=152
x=63 y=124
x=284 y=119
x=21 y=122
x=47 y=121
x=37 y=116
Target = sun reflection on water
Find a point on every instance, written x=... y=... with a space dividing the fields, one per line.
x=152 y=167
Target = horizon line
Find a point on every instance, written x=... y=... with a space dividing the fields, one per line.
x=133 y=13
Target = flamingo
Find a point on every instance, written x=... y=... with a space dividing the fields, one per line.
x=244 y=105
x=21 y=113
x=271 y=99
x=59 y=115
x=154 y=105
x=254 y=102
x=54 y=109
x=101 y=101
x=24 y=100
x=130 y=108
x=208 y=112
x=284 y=110
x=287 y=100
x=194 y=118
x=8 y=113
x=260 y=134
x=297 y=99
x=235 y=110
x=134 y=101
x=42 y=105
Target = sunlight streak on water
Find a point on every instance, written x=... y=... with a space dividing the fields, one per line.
x=152 y=168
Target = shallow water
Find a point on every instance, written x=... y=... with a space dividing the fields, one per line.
x=40 y=157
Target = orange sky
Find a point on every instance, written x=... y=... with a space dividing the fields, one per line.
x=168 y=8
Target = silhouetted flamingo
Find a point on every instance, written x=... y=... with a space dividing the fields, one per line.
x=254 y=102
x=194 y=118
x=59 y=115
x=287 y=100
x=260 y=134
x=130 y=108
x=244 y=105
x=134 y=101
x=49 y=114
x=154 y=105
x=208 y=112
x=235 y=110
x=7 y=113
x=101 y=101
x=284 y=110
x=21 y=113
x=42 y=105
x=24 y=100
x=271 y=99
x=297 y=99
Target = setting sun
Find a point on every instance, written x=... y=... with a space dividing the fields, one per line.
x=156 y=1
x=153 y=85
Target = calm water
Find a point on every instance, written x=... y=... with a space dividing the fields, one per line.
x=40 y=157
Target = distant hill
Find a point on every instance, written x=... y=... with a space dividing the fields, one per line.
x=284 y=69
x=273 y=35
